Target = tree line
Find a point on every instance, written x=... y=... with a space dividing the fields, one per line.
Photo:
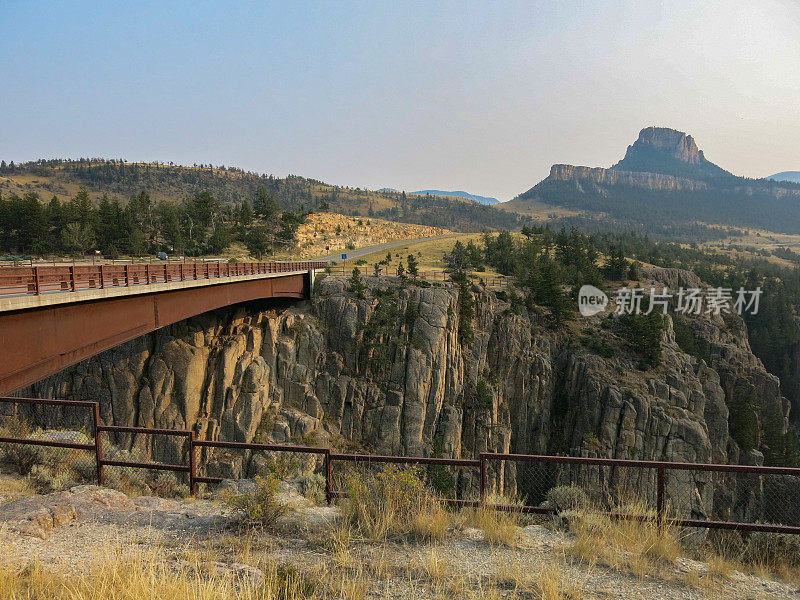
x=197 y=226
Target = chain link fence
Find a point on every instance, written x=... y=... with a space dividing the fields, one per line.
x=50 y=442
x=302 y=469
x=453 y=481
x=59 y=443
x=697 y=495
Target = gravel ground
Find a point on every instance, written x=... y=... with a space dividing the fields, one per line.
x=106 y=520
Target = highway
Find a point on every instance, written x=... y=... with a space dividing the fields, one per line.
x=351 y=254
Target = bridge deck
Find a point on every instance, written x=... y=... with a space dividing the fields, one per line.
x=34 y=287
x=53 y=317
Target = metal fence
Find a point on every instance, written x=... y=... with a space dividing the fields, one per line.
x=48 y=279
x=742 y=497
x=747 y=498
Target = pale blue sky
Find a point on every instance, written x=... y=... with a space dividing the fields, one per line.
x=448 y=95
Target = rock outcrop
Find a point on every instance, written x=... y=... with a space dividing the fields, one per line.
x=601 y=176
x=664 y=150
x=671 y=142
x=336 y=371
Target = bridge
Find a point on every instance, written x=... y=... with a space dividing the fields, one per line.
x=55 y=316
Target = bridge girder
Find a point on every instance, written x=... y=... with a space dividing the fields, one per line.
x=38 y=342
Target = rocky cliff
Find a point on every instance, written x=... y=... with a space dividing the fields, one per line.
x=664 y=185
x=388 y=374
x=670 y=142
x=600 y=176
x=671 y=152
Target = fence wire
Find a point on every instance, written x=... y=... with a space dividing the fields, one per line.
x=50 y=468
x=539 y=484
x=302 y=471
x=146 y=447
x=58 y=444
x=447 y=482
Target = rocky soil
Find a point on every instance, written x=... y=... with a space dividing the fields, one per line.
x=326 y=233
x=71 y=531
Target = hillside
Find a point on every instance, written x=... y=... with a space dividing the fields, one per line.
x=665 y=186
x=459 y=194
x=229 y=185
x=793 y=176
x=327 y=233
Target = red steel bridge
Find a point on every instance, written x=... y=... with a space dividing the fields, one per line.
x=52 y=317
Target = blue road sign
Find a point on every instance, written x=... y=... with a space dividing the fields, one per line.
x=344 y=256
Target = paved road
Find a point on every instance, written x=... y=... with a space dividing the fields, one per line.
x=351 y=254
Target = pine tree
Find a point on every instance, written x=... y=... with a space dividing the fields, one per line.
x=220 y=239
x=401 y=272
x=78 y=237
x=357 y=286
x=245 y=217
x=413 y=268
x=257 y=241
x=265 y=205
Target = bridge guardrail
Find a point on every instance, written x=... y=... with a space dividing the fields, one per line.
x=480 y=482
x=49 y=279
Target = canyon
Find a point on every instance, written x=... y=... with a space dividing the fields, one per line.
x=309 y=373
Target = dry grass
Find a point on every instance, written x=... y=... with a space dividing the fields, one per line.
x=144 y=577
x=432 y=524
x=433 y=566
x=639 y=547
x=498 y=526
x=394 y=503
x=12 y=488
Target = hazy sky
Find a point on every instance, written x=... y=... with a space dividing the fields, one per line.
x=480 y=96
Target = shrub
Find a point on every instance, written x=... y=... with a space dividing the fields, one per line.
x=773 y=549
x=393 y=502
x=643 y=332
x=50 y=468
x=260 y=507
x=47 y=480
x=566 y=497
x=22 y=457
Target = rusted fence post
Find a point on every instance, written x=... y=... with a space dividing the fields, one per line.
x=660 y=509
x=72 y=277
x=328 y=477
x=483 y=478
x=98 y=444
x=192 y=466
x=36 y=279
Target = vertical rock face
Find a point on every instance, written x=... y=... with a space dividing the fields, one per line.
x=670 y=142
x=311 y=372
x=667 y=151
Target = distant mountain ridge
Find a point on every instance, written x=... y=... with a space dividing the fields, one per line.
x=459 y=194
x=793 y=176
x=664 y=183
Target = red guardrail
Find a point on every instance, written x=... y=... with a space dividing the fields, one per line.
x=480 y=464
x=49 y=279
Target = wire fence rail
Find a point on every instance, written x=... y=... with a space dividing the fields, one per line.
x=37 y=280
x=459 y=482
